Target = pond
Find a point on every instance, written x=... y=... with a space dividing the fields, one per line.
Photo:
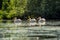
x=51 y=31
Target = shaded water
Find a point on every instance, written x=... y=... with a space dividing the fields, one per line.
x=12 y=32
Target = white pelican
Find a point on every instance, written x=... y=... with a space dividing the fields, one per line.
x=17 y=21
x=41 y=21
x=32 y=22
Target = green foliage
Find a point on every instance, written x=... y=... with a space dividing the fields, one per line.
x=13 y=8
x=11 y=14
x=1 y=14
x=21 y=8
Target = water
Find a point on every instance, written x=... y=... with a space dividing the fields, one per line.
x=8 y=31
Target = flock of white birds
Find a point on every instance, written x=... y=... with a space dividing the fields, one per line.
x=32 y=22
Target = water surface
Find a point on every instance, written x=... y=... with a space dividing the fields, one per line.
x=8 y=31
